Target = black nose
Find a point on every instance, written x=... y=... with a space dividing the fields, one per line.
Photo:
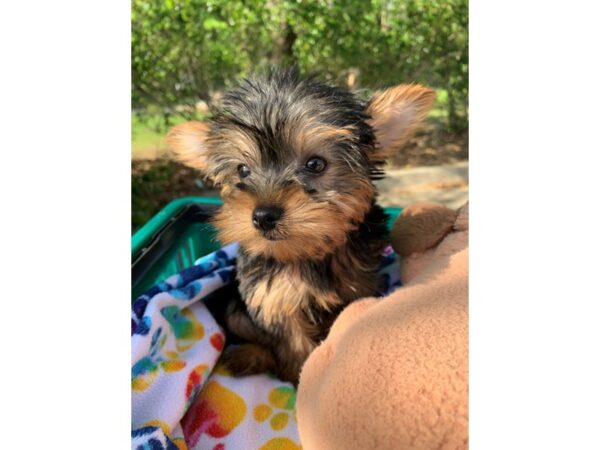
x=266 y=217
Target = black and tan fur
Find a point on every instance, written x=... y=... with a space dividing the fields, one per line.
x=325 y=249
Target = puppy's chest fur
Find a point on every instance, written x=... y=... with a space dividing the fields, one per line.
x=297 y=302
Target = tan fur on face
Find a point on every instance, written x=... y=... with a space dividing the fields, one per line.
x=234 y=146
x=354 y=205
x=311 y=135
x=309 y=229
x=396 y=113
x=229 y=148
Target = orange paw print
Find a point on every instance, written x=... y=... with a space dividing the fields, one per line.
x=284 y=398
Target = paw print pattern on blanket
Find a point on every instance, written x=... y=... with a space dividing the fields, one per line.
x=217 y=340
x=146 y=369
x=216 y=412
x=185 y=326
x=283 y=397
x=171 y=442
x=280 y=443
x=140 y=324
x=194 y=383
x=154 y=437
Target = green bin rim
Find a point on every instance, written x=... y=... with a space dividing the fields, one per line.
x=144 y=235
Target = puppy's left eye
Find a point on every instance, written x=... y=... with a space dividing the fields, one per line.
x=316 y=164
x=243 y=170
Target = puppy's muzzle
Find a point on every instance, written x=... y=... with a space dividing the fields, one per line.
x=265 y=218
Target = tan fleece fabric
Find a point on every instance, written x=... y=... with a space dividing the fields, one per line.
x=393 y=373
x=421 y=226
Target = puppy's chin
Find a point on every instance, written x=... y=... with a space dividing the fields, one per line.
x=272 y=235
x=309 y=230
x=289 y=250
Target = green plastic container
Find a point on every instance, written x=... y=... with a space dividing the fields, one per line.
x=176 y=237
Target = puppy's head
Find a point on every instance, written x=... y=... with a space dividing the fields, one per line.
x=295 y=159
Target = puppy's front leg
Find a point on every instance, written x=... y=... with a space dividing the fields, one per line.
x=248 y=359
x=240 y=324
x=252 y=357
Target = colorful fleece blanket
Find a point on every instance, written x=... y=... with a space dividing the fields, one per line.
x=181 y=397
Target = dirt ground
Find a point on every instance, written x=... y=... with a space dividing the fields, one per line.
x=432 y=146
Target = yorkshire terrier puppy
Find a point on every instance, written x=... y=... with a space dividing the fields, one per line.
x=295 y=160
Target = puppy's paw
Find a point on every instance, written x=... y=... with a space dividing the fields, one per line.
x=240 y=324
x=248 y=359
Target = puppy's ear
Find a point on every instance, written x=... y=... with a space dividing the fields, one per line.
x=396 y=113
x=188 y=142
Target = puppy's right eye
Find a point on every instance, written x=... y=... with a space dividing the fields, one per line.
x=316 y=164
x=243 y=170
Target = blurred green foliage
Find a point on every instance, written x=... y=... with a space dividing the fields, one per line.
x=184 y=51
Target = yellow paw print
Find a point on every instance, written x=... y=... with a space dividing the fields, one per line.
x=280 y=443
x=283 y=397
